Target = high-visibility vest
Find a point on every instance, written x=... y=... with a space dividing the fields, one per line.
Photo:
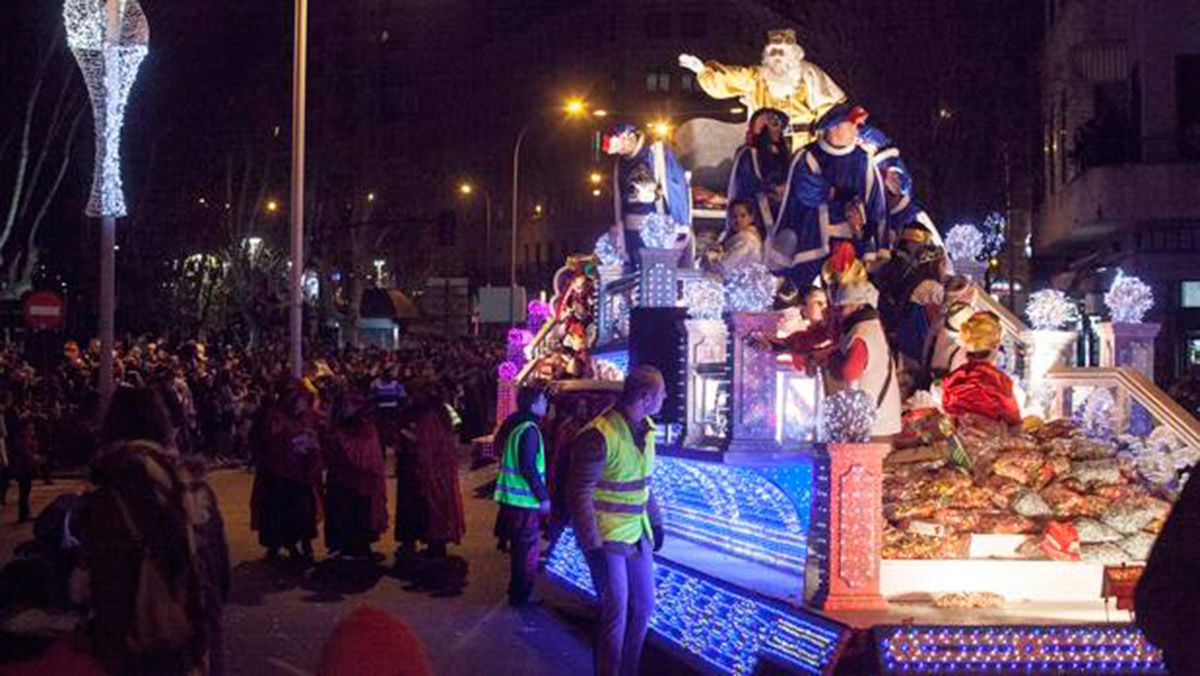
x=511 y=487
x=621 y=495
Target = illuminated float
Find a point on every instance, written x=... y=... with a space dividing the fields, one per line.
x=796 y=545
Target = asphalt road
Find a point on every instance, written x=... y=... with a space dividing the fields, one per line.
x=280 y=615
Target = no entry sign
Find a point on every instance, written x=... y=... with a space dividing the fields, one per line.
x=44 y=310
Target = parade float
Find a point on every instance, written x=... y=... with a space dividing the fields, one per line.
x=797 y=545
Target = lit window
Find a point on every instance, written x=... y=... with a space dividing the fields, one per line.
x=1189 y=294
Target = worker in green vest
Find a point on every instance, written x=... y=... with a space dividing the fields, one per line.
x=521 y=489
x=616 y=520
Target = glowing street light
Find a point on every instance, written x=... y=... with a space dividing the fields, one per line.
x=600 y=113
x=370 y=197
x=574 y=106
x=272 y=206
x=595 y=178
x=537 y=209
x=466 y=188
x=596 y=192
x=661 y=128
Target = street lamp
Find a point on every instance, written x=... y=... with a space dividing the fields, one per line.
x=272 y=206
x=595 y=178
x=573 y=107
x=466 y=190
x=109 y=40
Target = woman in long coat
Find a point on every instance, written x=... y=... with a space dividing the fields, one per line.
x=355 y=492
x=284 y=506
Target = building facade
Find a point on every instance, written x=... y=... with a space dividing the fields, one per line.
x=1121 y=150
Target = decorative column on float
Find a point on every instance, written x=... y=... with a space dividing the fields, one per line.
x=749 y=293
x=1125 y=340
x=1050 y=312
x=110 y=39
x=846 y=550
x=707 y=345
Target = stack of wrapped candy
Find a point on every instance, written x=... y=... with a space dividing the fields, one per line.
x=1070 y=497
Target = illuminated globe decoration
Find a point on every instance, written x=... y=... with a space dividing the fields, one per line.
x=847 y=417
x=750 y=288
x=607 y=251
x=110 y=39
x=704 y=299
x=1128 y=299
x=964 y=242
x=1051 y=310
x=658 y=232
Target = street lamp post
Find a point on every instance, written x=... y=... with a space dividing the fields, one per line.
x=296 y=272
x=466 y=189
x=110 y=40
x=573 y=108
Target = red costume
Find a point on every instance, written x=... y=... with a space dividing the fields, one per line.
x=980 y=388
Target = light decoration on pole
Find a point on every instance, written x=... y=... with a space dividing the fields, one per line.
x=704 y=299
x=110 y=39
x=964 y=242
x=750 y=288
x=1050 y=310
x=1128 y=299
x=847 y=417
x=607 y=251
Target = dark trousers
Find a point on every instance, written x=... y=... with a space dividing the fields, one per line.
x=523 y=563
x=633 y=248
x=24 y=488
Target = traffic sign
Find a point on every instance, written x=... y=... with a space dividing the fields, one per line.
x=44 y=310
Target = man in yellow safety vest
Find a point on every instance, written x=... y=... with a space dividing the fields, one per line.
x=521 y=489
x=617 y=522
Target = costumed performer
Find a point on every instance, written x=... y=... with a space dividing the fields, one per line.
x=760 y=167
x=943 y=350
x=813 y=337
x=864 y=359
x=742 y=244
x=903 y=209
x=783 y=81
x=978 y=387
x=647 y=179
x=833 y=193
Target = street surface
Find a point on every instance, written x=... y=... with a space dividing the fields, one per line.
x=280 y=615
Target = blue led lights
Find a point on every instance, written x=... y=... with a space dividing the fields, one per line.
x=726 y=629
x=758 y=514
x=1094 y=648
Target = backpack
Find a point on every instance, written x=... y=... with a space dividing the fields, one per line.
x=167 y=609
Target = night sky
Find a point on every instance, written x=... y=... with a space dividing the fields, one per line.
x=213 y=102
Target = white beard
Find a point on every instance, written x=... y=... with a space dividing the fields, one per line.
x=782 y=78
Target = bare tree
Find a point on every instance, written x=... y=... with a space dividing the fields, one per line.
x=38 y=155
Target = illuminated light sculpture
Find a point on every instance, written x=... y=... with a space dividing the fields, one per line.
x=847 y=417
x=704 y=299
x=1128 y=299
x=658 y=232
x=964 y=242
x=1050 y=310
x=1092 y=649
x=726 y=629
x=750 y=288
x=110 y=39
x=965 y=245
x=606 y=251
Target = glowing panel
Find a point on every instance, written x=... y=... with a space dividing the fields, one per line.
x=756 y=513
x=1087 y=649
x=727 y=630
